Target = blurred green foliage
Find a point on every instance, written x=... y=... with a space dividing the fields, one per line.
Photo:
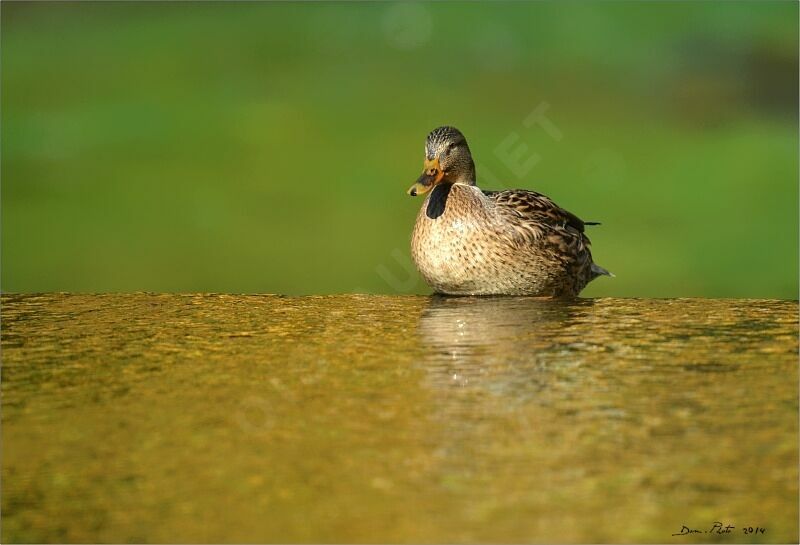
x=267 y=147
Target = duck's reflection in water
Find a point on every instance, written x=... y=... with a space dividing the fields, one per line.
x=501 y=345
x=503 y=374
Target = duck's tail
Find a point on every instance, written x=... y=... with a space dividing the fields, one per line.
x=597 y=270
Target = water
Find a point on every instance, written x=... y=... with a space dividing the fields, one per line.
x=157 y=418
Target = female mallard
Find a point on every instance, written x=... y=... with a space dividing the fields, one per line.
x=468 y=241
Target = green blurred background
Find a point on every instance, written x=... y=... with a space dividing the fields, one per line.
x=267 y=147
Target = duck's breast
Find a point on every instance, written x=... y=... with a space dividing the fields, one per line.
x=450 y=238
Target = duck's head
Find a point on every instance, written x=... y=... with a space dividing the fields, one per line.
x=447 y=160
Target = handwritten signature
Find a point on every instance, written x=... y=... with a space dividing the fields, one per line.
x=720 y=528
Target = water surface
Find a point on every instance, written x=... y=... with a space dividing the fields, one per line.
x=158 y=418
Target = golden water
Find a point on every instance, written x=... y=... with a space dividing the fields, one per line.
x=157 y=418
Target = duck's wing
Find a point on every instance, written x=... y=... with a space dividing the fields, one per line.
x=536 y=220
x=536 y=208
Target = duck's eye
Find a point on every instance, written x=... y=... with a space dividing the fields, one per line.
x=451 y=146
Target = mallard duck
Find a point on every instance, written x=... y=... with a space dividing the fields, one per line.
x=469 y=241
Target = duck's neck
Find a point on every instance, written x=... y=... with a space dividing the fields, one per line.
x=464 y=175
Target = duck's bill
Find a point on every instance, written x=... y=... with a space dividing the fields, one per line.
x=428 y=179
x=422 y=185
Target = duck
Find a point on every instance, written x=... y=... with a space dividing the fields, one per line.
x=471 y=241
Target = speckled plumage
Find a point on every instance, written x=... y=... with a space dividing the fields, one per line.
x=467 y=241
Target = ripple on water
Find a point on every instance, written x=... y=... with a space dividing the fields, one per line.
x=207 y=417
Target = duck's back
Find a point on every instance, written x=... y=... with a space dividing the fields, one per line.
x=470 y=242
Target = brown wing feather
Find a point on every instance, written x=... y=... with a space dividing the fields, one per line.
x=536 y=207
x=560 y=234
